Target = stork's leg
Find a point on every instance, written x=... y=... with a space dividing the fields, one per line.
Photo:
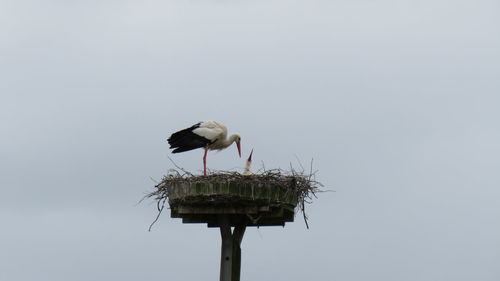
x=205 y=162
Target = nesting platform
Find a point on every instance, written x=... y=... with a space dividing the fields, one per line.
x=231 y=202
x=243 y=203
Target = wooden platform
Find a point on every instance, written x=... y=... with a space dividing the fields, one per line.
x=240 y=204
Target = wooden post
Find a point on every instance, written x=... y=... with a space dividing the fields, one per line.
x=230 y=261
x=237 y=237
x=226 y=258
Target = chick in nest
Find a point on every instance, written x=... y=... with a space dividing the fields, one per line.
x=246 y=171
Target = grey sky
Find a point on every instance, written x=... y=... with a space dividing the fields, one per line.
x=396 y=101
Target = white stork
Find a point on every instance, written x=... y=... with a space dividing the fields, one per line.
x=246 y=171
x=209 y=135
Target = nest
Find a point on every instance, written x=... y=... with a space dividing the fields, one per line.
x=301 y=186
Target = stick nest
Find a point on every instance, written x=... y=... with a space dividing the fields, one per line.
x=302 y=184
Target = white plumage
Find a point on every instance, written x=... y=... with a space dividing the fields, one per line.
x=210 y=135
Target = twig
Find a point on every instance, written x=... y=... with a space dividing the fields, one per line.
x=304 y=214
x=180 y=168
x=155 y=181
x=300 y=163
x=160 y=210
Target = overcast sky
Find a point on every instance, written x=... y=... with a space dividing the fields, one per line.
x=397 y=102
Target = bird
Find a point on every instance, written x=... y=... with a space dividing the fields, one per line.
x=209 y=135
x=246 y=171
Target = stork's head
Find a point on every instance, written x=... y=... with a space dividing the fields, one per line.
x=238 y=145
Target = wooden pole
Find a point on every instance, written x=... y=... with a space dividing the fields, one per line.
x=226 y=259
x=237 y=237
x=230 y=261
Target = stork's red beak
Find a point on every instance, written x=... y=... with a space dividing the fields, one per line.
x=239 y=148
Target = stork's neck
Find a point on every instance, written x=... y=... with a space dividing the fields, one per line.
x=227 y=142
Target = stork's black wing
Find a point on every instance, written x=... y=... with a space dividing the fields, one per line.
x=185 y=140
